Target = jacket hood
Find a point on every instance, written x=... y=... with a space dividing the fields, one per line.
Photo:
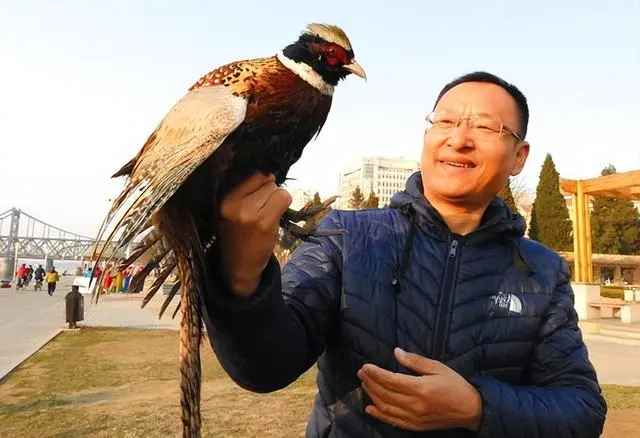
x=498 y=222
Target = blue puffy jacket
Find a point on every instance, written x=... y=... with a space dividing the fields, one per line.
x=492 y=305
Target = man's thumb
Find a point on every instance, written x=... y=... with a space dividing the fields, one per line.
x=417 y=363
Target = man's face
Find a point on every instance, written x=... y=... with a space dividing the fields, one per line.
x=461 y=167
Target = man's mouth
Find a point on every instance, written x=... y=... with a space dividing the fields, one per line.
x=459 y=165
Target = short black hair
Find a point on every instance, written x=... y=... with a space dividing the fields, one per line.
x=482 y=76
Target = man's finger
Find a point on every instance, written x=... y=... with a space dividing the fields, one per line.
x=251 y=184
x=402 y=383
x=257 y=199
x=417 y=363
x=276 y=205
x=392 y=420
x=385 y=395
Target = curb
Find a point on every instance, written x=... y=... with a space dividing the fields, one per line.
x=4 y=373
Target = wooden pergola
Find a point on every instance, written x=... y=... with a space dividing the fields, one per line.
x=625 y=185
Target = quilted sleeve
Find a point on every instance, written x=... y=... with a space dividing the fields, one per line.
x=266 y=342
x=561 y=396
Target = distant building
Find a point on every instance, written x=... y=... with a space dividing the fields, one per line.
x=300 y=197
x=383 y=176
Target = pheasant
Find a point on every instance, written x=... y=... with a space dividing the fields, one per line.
x=254 y=115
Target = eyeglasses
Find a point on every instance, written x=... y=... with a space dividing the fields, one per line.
x=482 y=126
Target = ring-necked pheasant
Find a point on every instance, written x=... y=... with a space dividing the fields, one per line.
x=247 y=116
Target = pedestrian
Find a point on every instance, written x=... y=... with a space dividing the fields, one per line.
x=52 y=279
x=126 y=280
x=435 y=315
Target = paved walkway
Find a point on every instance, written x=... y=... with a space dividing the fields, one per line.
x=28 y=320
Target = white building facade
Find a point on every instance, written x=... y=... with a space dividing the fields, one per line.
x=382 y=176
x=299 y=197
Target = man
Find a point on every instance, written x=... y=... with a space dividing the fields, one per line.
x=52 y=279
x=39 y=275
x=434 y=315
x=21 y=273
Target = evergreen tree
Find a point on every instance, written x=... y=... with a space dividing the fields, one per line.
x=357 y=199
x=550 y=222
x=507 y=196
x=372 y=201
x=615 y=224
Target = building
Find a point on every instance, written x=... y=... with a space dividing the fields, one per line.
x=382 y=176
x=300 y=197
x=615 y=268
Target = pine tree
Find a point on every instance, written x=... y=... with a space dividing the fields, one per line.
x=357 y=199
x=550 y=222
x=372 y=201
x=507 y=196
x=615 y=224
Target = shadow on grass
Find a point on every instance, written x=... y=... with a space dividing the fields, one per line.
x=46 y=404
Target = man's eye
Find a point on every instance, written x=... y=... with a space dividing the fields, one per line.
x=445 y=123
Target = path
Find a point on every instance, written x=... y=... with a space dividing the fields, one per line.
x=29 y=319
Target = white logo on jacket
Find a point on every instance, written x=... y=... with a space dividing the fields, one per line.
x=505 y=303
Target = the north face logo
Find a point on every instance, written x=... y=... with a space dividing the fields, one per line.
x=504 y=304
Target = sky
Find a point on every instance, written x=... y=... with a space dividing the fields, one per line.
x=83 y=84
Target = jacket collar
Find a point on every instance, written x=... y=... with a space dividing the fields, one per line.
x=498 y=222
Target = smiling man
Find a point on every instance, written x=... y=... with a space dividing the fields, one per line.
x=435 y=315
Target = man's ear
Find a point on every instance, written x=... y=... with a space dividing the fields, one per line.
x=522 y=153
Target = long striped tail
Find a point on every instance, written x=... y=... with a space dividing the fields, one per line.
x=190 y=368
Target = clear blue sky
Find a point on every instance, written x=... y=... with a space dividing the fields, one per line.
x=84 y=83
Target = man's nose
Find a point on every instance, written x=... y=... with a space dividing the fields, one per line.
x=460 y=137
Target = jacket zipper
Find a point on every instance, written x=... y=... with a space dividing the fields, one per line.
x=446 y=299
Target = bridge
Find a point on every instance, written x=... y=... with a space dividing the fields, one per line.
x=23 y=236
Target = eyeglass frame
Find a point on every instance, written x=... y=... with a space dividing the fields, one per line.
x=503 y=127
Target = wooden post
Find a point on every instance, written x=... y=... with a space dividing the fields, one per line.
x=580 y=256
x=588 y=242
x=576 y=239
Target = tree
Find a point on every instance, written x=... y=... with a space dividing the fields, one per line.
x=615 y=224
x=507 y=196
x=357 y=199
x=372 y=201
x=519 y=189
x=550 y=222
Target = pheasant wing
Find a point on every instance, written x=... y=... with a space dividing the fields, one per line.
x=192 y=130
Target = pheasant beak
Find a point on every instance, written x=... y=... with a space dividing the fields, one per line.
x=355 y=68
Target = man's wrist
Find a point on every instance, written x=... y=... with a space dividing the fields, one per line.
x=475 y=412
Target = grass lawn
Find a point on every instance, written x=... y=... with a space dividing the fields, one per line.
x=124 y=383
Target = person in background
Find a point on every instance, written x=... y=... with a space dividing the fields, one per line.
x=21 y=273
x=117 y=280
x=126 y=279
x=52 y=279
x=39 y=273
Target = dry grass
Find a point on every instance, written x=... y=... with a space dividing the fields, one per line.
x=124 y=383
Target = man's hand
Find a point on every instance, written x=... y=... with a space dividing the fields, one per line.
x=249 y=228
x=437 y=399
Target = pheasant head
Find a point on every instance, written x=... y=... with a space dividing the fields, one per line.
x=322 y=53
